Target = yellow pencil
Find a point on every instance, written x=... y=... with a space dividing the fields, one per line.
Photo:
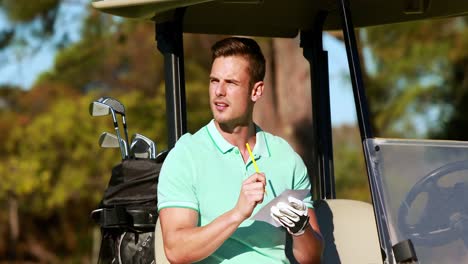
x=253 y=160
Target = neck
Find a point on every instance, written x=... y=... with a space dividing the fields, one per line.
x=239 y=135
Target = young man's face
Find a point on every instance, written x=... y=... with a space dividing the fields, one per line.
x=231 y=96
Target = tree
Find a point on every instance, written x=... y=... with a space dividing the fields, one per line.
x=32 y=30
x=416 y=77
x=350 y=171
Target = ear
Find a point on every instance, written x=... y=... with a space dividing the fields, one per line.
x=257 y=91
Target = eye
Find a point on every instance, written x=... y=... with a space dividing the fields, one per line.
x=231 y=82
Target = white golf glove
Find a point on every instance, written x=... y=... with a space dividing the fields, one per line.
x=292 y=215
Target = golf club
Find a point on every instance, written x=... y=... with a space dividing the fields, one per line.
x=109 y=140
x=142 y=144
x=100 y=109
x=118 y=108
x=140 y=149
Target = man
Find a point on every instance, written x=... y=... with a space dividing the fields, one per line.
x=208 y=187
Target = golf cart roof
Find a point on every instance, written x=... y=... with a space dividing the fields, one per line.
x=277 y=18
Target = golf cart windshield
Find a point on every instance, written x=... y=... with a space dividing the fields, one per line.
x=423 y=189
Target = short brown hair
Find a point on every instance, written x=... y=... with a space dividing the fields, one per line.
x=246 y=47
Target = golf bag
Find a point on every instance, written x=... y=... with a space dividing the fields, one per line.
x=127 y=213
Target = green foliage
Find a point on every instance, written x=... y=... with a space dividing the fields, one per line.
x=117 y=56
x=350 y=171
x=48 y=156
x=412 y=84
x=197 y=96
x=25 y=10
x=53 y=162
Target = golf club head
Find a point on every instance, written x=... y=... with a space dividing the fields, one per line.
x=114 y=103
x=151 y=146
x=99 y=109
x=109 y=140
x=140 y=148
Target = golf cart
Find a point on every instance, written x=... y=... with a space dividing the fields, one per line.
x=418 y=187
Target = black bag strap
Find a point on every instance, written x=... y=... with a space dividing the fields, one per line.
x=120 y=217
x=143 y=218
x=111 y=217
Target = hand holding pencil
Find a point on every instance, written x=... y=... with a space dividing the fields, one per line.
x=253 y=161
x=252 y=192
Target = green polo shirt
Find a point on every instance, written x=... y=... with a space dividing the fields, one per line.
x=204 y=172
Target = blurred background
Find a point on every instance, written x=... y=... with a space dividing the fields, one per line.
x=57 y=56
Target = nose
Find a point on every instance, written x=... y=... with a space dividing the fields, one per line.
x=220 y=89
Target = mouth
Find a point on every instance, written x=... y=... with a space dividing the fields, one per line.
x=220 y=106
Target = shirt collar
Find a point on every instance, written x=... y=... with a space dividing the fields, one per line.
x=260 y=149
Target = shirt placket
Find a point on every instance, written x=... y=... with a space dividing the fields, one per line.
x=242 y=166
x=249 y=166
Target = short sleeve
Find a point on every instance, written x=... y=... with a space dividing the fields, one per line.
x=176 y=187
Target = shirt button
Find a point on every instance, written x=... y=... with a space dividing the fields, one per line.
x=236 y=151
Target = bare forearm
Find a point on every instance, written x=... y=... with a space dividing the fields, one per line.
x=308 y=247
x=185 y=242
x=187 y=245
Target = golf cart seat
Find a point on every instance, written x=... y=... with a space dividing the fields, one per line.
x=349 y=230
x=159 y=245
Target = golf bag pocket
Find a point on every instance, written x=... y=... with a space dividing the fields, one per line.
x=127 y=214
